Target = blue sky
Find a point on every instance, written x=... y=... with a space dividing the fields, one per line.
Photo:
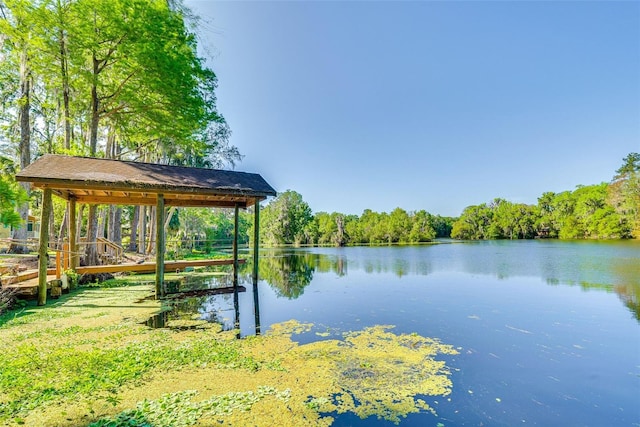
x=426 y=105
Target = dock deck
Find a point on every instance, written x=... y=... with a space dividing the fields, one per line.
x=26 y=282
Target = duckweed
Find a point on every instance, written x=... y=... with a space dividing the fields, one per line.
x=62 y=366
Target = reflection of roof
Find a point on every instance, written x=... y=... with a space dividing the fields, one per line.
x=91 y=180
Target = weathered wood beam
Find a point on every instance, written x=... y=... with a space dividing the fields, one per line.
x=116 y=200
x=63 y=194
x=203 y=203
x=44 y=246
x=150 y=200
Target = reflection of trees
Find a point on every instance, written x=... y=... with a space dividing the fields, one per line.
x=191 y=308
x=288 y=274
x=627 y=270
x=326 y=264
x=629 y=293
x=399 y=264
x=630 y=296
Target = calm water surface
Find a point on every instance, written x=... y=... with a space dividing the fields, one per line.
x=549 y=331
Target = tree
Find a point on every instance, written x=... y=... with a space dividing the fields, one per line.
x=474 y=223
x=12 y=195
x=624 y=192
x=284 y=219
x=398 y=226
x=422 y=227
x=18 y=46
x=630 y=166
x=442 y=225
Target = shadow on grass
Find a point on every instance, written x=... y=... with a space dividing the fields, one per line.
x=82 y=297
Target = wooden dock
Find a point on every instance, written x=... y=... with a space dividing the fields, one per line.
x=26 y=282
x=28 y=288
x=150 y=267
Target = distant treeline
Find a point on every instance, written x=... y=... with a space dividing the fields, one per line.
x=602 y=211
x=288 y=220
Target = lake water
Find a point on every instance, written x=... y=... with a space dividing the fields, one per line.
x=548 y=330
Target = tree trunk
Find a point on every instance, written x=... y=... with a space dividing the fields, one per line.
x=133 y=247
x=114 y=230
x=20 y=233
x=91 y=252
x=52 y=227
x=111 y=149
x=65 y=90
x=102 y=222
x=110 y=222
x=79 y=220
x=95 y=110
x=116 y=237
x=152 y=230
x=142 y=229
x=63 y=228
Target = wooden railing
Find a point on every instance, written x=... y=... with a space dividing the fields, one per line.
x=110 y=252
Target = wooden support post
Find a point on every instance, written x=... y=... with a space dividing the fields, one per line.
x=44 y=246
x=256 y=239
x=58 y=263
x=235 y=245
x=65 y=256
x=256 y=248
x=236 y=303
x=73 y=235
x=160 y=238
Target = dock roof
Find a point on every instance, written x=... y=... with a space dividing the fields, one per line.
x=118 y=182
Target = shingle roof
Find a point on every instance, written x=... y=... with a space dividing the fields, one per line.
x=92 y=180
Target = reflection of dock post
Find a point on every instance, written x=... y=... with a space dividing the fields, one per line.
x=256 y=247
x=236 y=307
x=256 y=306
x=236 y=304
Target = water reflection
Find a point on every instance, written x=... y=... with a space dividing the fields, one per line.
x=603 y=266
x=192 y=309
x=630 y=296
x=288 y=272
x=195 y=301
x=256 y=310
